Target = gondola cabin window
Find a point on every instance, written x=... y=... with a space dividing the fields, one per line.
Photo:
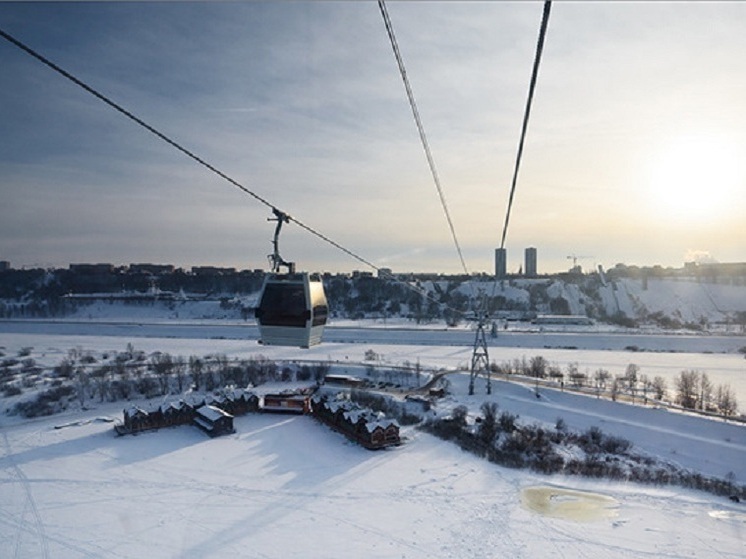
x=284 y=305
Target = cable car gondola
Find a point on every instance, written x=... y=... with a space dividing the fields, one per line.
x=292 y=308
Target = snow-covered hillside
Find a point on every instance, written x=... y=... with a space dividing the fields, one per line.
x=685 y=301
x=674 y=302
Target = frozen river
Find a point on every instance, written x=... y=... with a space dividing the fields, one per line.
x=217 y=329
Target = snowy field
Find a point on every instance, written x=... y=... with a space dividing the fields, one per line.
x=290 y=487
x=285 y=487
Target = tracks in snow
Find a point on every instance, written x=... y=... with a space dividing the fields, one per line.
x=29 y=505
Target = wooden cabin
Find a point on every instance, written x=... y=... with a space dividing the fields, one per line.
x=135 y=420
x=213 y=421
x=371 y=430
x=240 y=402
x=176 y=413
x=344 y=380
x=287 y=403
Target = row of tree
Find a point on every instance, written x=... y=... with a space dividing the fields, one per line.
x=133 y=374
x=693 y=389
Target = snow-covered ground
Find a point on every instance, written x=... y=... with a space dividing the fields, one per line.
x=289 y=487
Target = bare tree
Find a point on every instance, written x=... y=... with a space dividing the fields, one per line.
x=179 y=370
x=556 y=374
x=121 y=385
x=82 y=384
x=646 y=385
x=600 y=376
x=659 y=387
x=162 y=364
x=65 y=369
x=705 y=391
x=223 y=369
x=687 y=389
x=538 y=366
x=100 y=378
x=631 y=377
x=577 y=378
x=208 y=374
x=726 y=400
x=196 y=369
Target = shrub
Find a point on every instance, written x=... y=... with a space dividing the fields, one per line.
x=615 y=445
x=65 y=369
x=507 y=421
x=48 y=402
x=560 y=425
x=11 y=390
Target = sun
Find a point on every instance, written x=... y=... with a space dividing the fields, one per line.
x=695 y=178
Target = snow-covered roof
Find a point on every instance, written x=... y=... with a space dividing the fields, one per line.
x=177 y=406
x=334 y=407
x=134 y=410
x=353 y=416
x=371 y=426
x=212 y=413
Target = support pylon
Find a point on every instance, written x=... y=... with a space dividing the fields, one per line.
x=480 y=360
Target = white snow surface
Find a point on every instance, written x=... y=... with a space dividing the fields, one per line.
x=288 y=486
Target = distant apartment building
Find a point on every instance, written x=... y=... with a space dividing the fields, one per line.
x=4 y=265
x=153 y=269
x=212 y=271
x=530 y=263
x=92 y=278
x=501 y=262
x=92 y=269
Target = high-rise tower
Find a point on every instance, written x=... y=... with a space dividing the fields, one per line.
x=501 y=258
x=530 y=264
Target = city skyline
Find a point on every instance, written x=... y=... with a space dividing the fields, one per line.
x=633 y=152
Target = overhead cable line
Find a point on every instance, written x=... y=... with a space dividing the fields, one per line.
x=176 y=145
x=205 y=164
x=524 y=127
x=526 y=114
x=480 y=357
x=421 y=129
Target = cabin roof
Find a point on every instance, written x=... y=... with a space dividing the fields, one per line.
x=211 y=413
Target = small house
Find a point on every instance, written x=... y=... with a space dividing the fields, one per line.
x=135 y=419
x=344 y=380
x=213 y=421
x=176 y=413
x=287 y=403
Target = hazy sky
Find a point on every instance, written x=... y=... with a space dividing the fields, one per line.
x=635 y=151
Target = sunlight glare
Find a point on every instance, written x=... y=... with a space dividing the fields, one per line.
x=696 y=178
